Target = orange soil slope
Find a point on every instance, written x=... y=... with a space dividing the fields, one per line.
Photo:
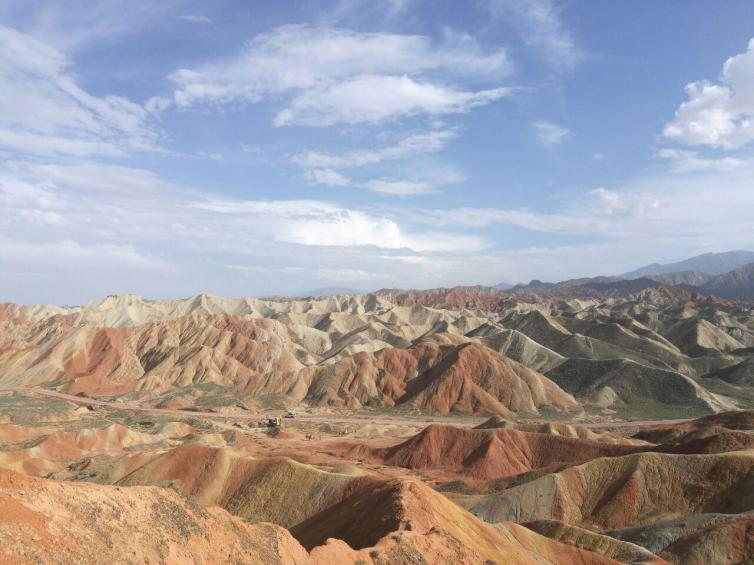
x=44 y=521
x=51 y=521
x=410 y=513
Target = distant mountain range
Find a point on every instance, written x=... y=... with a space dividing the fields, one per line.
x=738 y=283
x=329 y=291
x=727 y=275
x=707 y=263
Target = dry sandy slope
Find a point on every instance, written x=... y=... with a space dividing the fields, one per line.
x=54 y=522
x=586 y=539
x=268 y=489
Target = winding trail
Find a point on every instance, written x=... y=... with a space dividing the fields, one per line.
x=325 y=418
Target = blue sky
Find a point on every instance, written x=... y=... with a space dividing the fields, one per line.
x=256 y=148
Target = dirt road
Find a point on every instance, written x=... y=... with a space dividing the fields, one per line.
x=331 y=419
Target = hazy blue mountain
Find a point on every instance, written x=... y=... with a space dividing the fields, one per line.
x=539 y=287
x=738 y=283
x=709 y=263
x=690 y=278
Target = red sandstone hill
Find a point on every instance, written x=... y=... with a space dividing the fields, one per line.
x=736 y=420
x=492 y=454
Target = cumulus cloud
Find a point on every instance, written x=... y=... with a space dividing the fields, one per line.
x=549 y=134
x=43 y=111
x=328 y=70
x=722 y=114
x=318 y=223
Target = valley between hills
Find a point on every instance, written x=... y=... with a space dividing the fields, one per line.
x=606 y=424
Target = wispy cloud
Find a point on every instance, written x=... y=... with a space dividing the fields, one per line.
x=409 y=146
x=43 y=111
x=340 y=76
x=195 y=18
x=74 y=25
x=376 y=98
x=550 y=134
x=323 y=167
x=541 y=28
x=328 y=177
x=685 y=161
x=399 y=187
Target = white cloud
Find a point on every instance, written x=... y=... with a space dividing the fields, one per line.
x=349 y=275
x=689 y=161
x=93 y=177
x=485 y=217
x=76 y=24
x=409 y=146
x=43 y=111
x=541 y=28
x=399 y=187
x=72 y=254
x=326 y=67
x=328 y=177
x=318 y=223
x=196 y=18
x=66 y=239
x=347 y=9
x=718 y=115
x=600 y=211
x=549 y=134
x=613 y=203
x=375 y=98
x=422 y=180
x=249 y=269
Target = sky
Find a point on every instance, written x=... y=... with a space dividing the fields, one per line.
x=252 y=148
